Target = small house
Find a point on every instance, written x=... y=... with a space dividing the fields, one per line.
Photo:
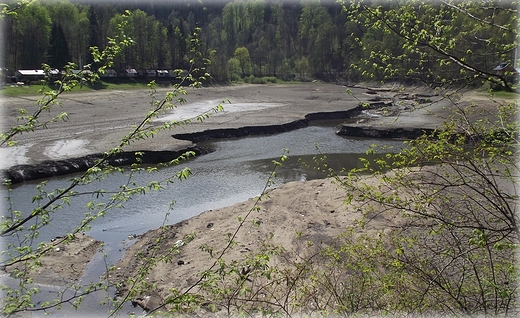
x=28 y=76
x=129 y=72
x=503 y=68
x=508 y=71
x=85 y=73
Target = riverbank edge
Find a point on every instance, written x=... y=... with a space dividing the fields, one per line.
x=53 y=168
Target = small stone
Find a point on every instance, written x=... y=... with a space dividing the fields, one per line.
x=181 y=262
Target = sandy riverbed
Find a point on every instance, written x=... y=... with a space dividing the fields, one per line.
x=314 y=208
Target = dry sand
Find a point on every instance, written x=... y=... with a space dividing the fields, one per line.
x=289 y=217
x=99 y=120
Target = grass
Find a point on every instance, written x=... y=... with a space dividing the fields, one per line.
x=36 y=89
x=506 y=94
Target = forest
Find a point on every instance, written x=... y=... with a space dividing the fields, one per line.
x=288 y=40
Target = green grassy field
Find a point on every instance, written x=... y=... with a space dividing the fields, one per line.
x=36 y=89
x=507 y=95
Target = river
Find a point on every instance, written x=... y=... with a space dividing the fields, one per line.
x=236 y=170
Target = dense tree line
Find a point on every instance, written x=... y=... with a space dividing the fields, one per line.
x=285 y=39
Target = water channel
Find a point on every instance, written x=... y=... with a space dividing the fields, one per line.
x=236 y=170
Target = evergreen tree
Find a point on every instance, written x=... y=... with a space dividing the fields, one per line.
x=94 y=34
x=58 y=54
x=31 y=32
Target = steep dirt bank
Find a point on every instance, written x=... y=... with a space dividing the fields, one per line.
x=53 y=168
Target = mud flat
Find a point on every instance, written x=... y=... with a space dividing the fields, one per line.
x=99 y=120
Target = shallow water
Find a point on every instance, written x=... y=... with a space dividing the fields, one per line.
x=236 y=170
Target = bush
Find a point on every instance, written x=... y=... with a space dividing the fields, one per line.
x=271 y=79
x=259 y=80
x=235 y=78
x=251 y=79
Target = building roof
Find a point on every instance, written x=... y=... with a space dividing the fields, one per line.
x=31 y=72
x=38 y=72
x=81 y=71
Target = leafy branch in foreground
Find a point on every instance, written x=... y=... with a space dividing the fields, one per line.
x=68 y=81
x=437 y=232
x=440 y=43
x=456 y=194
x=21 y=229
x=13 y=8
